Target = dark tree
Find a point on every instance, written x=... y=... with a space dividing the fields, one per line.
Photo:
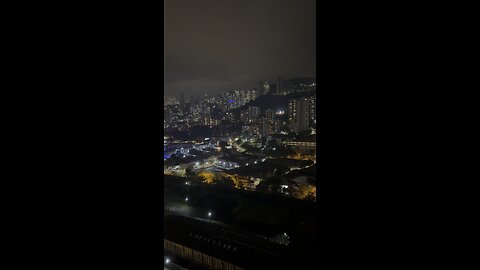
x=189 y=171
x=275 y=182
x=225 y=181
x=222 y=144
x=263 y=187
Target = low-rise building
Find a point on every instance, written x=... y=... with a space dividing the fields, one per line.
x=302 y=145
x=217 y=247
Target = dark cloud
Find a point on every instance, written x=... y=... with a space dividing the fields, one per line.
x=217 y=45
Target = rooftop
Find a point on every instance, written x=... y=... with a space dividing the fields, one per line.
x=232 y=245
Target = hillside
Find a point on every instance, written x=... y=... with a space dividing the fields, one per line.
x=274 y=102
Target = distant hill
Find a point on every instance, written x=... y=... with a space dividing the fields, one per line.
x=298 y=84
x=298 y=81
x=274 y=102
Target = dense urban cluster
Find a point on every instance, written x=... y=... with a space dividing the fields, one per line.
x=240 y=127
x=261 y=139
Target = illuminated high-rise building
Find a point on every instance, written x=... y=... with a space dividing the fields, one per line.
x=253 y=113
x=182 y=100
x=269 y=114
x=312 y=109
x=299 y=114
x=264 y=88
x=265 y=127
x=279 y=86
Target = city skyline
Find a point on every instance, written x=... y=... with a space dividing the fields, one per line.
x=239 y=141
x=216 y=46
x=253 y=85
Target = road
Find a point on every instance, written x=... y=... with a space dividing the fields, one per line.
x=182 y=209
x=314 y=162
x=188 y=211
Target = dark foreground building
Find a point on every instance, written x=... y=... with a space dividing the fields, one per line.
x=212 y=246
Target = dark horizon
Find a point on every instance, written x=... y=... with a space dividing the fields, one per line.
x=216 y=46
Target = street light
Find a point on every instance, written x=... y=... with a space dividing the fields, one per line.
x=209 y=215
x=167 y=260
x=186 y=199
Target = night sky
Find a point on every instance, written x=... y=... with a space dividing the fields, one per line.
x=219 y=45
